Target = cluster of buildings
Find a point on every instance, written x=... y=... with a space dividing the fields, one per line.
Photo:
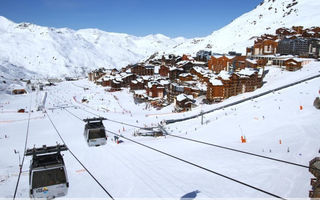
x=181 y=79
x=290 y=48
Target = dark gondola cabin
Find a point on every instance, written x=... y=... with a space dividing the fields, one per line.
x=94 y=132
x=47 y=175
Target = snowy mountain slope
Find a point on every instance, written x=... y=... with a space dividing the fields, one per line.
x=265 y=18
x=56 y=52
x=131 y=171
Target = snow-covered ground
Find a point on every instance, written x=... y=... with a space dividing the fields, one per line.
x=127 y=170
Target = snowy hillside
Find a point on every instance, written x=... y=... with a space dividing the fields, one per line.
x=131 y=171
x=27 y=48
x=266 y=18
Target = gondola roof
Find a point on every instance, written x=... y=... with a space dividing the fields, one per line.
x=47 y=160
x=94 y=125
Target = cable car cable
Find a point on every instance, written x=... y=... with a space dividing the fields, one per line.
x=240 y=151
x=198 y=166
x=222 y=147
x=72 y=113
x=105 y=190
x=25 y=148
x=114 y=120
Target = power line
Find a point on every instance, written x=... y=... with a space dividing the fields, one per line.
x=198 y=166
x=105 y=190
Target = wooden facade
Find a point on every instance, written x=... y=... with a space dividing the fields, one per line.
x=174 y=73
x=185 y=77
x=183 y=102
x=19 y=91
x=219 y=63
x=164 y=71
x=224 y=87
x=154 y=89
x=96 y=74
x=137 y=84
x=142 y=70
x=292 y=65
x=265 y=47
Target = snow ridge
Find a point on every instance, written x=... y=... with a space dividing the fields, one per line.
x=265 y=18
x=53 y=52
x=59 y=52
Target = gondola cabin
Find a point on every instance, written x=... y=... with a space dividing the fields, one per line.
x=94 y=132
x=47 y=176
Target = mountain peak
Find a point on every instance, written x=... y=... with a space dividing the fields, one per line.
x=4 y=23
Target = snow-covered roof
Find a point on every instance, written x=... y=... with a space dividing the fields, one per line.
x=251 y=61
x=182 y=97
x=139 y=92
x=164 y=82
x=185 y=74
x=183 y=62
x=151 y=83
x=247 y=71
x=224 y=75
x=16 y=87
x=215 y=82
x=175 y=68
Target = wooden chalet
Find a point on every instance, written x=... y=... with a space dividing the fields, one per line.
x=174 y=73
x=106 y=81
x=154 y=89
x=186 y=77
x=186 y=57
x=183 y=103
x=314 y=169
x=164 y=71
x=17 y=91
x=226 y=85
x=219 y=63
x=174 y=90
x=96 y=74
x=142 y=70
x=265 y=47
x=292 y=65
x=137 y=84
x=203 y=74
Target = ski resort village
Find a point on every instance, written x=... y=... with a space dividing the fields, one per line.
x=234 y=115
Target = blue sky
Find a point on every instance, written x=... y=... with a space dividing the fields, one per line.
x=187 y=18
